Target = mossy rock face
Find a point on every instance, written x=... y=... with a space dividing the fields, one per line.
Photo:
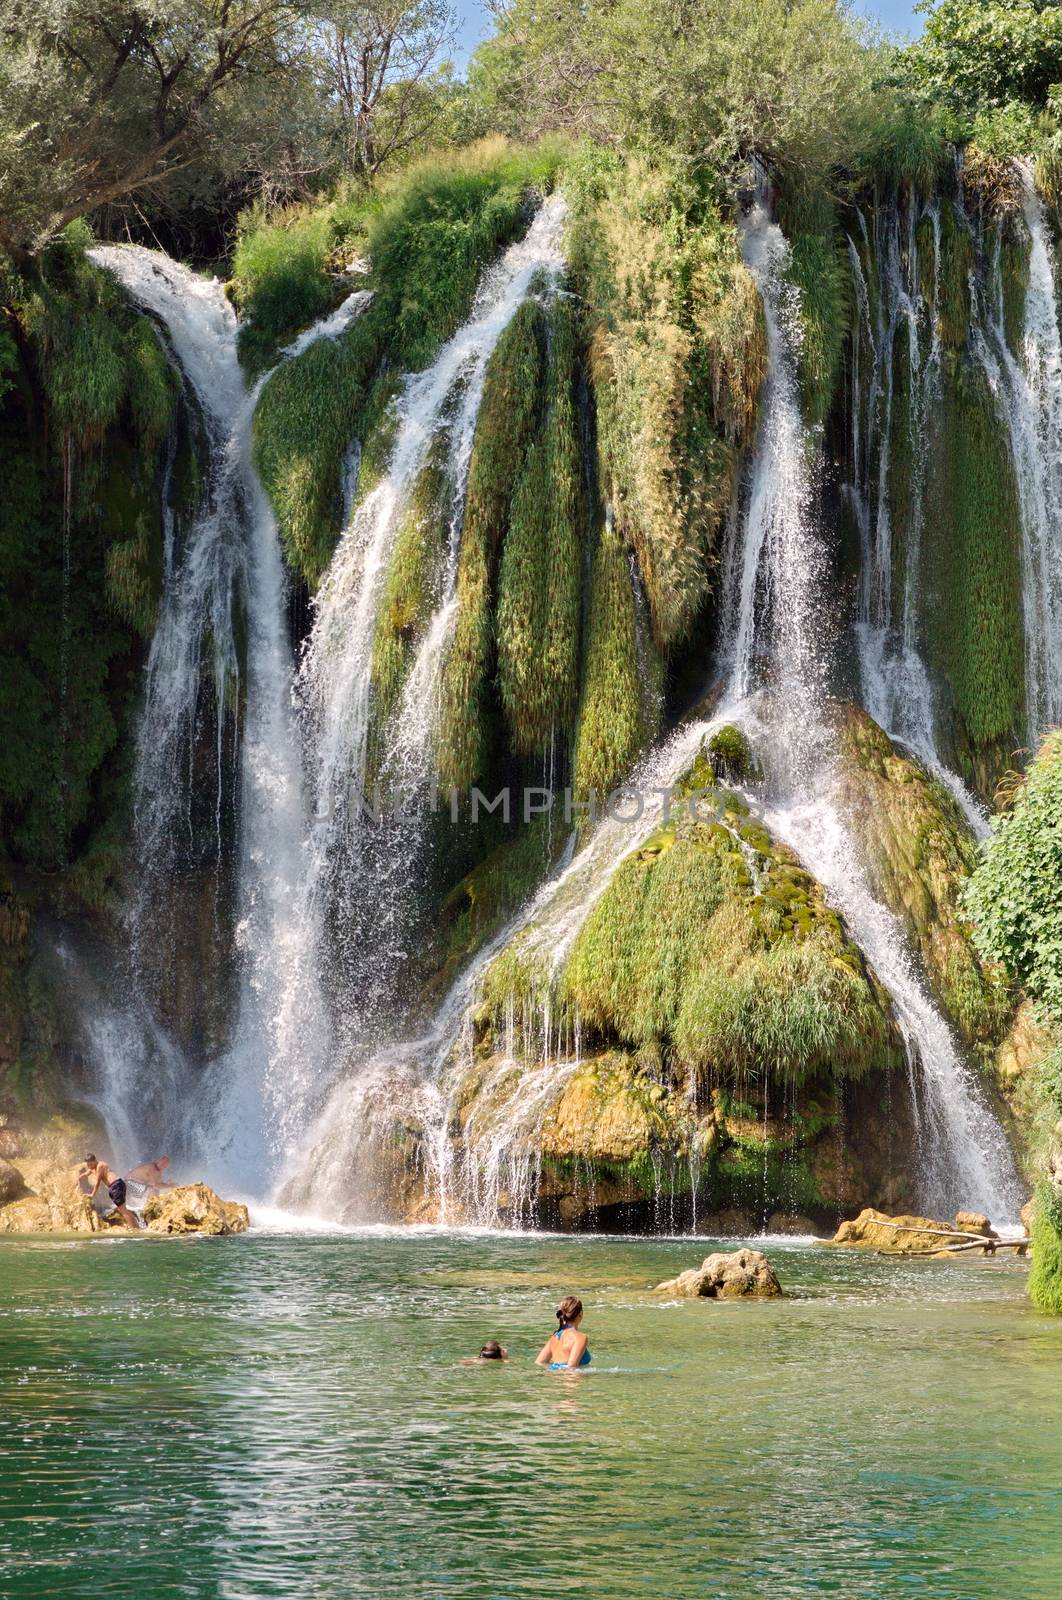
x=919 y=851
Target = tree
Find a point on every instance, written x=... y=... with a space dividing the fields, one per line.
x=381 y=69
x=978 y=55
x=99 y=101
x=705 y=82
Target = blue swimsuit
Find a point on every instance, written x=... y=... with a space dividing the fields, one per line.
x=563 y=1366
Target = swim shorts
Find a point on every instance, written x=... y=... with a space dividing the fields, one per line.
x=117 y=1192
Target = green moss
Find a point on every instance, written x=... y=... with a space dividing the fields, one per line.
x=1015 y=250
x=87 y=404
x=902 y=466
x=610 y=729
x=411 y=589
x=507 y=420
x=308 y=413
x=540 y=576
x=820 y=273
x=682 y=950
x=956 y=264
x=730 y=756
x=973 y=561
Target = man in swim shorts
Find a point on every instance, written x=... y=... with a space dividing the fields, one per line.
x=150 y=1174
x=103 y=1175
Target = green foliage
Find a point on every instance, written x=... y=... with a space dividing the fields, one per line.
x=988 y=54
x=1045 y=1277
x=907 y=145
x=1013 y=895
x=611 y=726
x=279 y=277
x=540 y=576
x=89 y=400
x=434 y=229
x=308 y=414
x=784 y=79
x=820 y=273
x=507 y=419
x=1014 y=261
x=973 y=560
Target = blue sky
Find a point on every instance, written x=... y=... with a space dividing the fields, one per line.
x=896 y=15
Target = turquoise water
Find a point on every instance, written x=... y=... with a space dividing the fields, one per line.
x=283 y=1416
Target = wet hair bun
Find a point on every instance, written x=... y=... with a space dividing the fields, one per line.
x=570 y=1308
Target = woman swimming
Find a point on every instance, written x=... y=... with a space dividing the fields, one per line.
x=566 y=1349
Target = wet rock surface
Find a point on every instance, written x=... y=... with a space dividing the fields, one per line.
x=733 y=1275
x=194 y=1208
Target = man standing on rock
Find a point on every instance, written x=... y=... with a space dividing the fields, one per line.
x=102 y=1174
x=150 y=1174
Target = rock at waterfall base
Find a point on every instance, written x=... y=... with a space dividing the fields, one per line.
x=12 y=1183
x=741 y=1274
x=194 y=1208
x=873 y=1230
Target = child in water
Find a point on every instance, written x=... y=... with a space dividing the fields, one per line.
x=491 y=1351
x=567 y=1349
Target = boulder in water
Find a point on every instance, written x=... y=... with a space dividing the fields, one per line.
x=873 y=1230
x=974 y=1222
x=12 y=1183
x=194 y=1208
x=46 y=1200
x=741 y=1274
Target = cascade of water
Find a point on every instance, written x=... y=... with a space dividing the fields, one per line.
x=896 y=686
x=965 y=1154
x=222 y=621
x=772 y=572
x=1028 y=388
x=367 y=882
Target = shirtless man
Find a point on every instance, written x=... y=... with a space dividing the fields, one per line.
x=102 y=1174
x=150 y=1174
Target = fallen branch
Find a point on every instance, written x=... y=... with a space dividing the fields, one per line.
x=939 y=1233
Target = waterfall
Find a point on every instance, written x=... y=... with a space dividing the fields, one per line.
x=406 y=1097
x=367 y=876
x=965 y=1157
x=223 y=623
x=1028 y=388
x=896 y=686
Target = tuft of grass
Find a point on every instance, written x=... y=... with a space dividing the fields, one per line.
x=504 y=429
x=540 y=575
x=279 y=279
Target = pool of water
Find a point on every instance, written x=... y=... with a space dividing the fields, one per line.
x=283 y=1415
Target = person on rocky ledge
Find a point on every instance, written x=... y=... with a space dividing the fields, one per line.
x=150 y=1174
x=103 y=1175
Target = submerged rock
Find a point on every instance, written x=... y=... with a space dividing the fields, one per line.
x=741 y=1274
x=194 y=1208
